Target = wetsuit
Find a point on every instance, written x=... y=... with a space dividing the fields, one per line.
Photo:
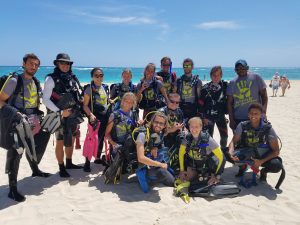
x=213 y=101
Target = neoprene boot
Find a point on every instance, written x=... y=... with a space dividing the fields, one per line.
x=87 y=165
x=70 y=165
x=62 y=171
x=36 y=172
x=13 y=191
x=15 y=195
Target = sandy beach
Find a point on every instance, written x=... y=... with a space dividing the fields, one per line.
x=85 y=199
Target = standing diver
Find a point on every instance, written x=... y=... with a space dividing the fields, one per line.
x=62 y=95
x=213 y=101
x=23 y=93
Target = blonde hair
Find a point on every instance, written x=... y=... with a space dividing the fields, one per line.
x=131 y=96
x=195 y=120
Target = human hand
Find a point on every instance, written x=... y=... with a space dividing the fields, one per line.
x=257 y=163
x=178 y=126
x=164 y=166
x=213 y=180
x=92 y=118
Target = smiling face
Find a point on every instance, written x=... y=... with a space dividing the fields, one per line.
x=128 y=101
x=64 y=66
x=149 y=72
x=195 y=126
x=241 y=70
x=98 y=77
x=165 y=66
x=254 y=116
x=158 y=123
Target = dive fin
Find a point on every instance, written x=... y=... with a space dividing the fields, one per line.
x=142 y=177
x=51 y=122
x=181 y=190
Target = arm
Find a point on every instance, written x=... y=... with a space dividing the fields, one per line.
x=264 y=99
x=145 y=160
x=8 y=89
x=47 y=92
x=3 y=96
x=108 y=130
x=181 y=157
x=232 y=124
x=140 y=88
x=88 y=112
x=221 y=162
x=164 y=93
x=235 y=139
x=275 y=152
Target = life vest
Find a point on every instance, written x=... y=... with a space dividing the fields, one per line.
x=214 y=100
x=19 y=90
x=94 y=105
x=151 y=139
x=123 y=126
x=65 y=83
x=198 y=151
x=168 y=80
x=252 y=137
x=191 y=81
x=121 y=89
x=174 y=116
x=149 y=96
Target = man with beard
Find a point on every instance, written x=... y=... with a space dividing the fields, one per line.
x=23 y=93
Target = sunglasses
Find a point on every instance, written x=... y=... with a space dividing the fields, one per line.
x=187 y=66
x=159 y=123
x=165 y=65
x=174 y=102
x=64 y=63
x=99 y=75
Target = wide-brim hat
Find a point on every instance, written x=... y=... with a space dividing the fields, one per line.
x=62 y=57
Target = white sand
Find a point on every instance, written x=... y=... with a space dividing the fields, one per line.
x=85 y=199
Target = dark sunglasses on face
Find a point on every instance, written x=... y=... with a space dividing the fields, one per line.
x=165 y=65
x=64 y=63
x=99 y=75
x=187 y=66
x=174 y=102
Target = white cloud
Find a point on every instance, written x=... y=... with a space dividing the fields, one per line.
x=225 y=25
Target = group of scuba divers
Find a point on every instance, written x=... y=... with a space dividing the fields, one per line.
x=172 y=144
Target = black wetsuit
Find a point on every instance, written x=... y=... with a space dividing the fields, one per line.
x=213 y=102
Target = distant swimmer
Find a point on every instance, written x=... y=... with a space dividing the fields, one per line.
x=284 y=83
x=274 y=84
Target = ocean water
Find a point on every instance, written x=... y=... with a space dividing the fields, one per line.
x=113 y=74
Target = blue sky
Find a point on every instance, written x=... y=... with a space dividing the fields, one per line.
x=134 y=33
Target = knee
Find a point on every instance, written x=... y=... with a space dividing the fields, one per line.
x=275 y=166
